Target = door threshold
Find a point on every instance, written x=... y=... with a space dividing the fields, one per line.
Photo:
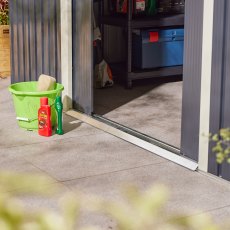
x=168 y=152
x=137 y=134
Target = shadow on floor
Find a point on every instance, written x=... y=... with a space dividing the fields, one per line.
x=108 y=99
x=152 y=107
x=70 y=123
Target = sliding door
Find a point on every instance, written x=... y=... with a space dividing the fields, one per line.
x=82 y=56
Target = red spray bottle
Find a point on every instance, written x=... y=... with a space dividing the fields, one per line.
x=44 y=118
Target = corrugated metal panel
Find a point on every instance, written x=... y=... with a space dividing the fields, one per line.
x=220 y=109
x=217 y=76
x=35 y=39
x=225 y=121
x=192 y=78
x=82 y=56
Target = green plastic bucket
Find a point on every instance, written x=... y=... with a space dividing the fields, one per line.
x=27 y=102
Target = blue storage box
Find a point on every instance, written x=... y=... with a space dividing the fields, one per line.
x=158 y=48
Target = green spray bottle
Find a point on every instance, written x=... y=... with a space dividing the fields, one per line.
x=151 y=7
x=59 y=108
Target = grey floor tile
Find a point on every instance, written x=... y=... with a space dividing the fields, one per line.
x=85 y=156
x=12 y=135
x=50 y=202
x=11 y=163
x=190 y=192
x=100 y=221
x=19 y=166
x=54 y=203
x=152 y=110
x=4 y=82
x=219 y=215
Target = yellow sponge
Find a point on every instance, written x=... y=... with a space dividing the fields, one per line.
x=46 y=83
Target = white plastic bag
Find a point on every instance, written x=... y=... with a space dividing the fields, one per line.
x=103 y=75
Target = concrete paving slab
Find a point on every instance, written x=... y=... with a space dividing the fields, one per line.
x=15 y=136
x=191 y=192
x=4 y=82
x=220 y=215
x=19 y=165
x=155 y=109
x=6 y=102
x=53 y=203
x=85 y=156
x=100 y=221
x=50 y=202
x=91 y=161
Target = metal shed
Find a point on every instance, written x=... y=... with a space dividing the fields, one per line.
x=55 y=37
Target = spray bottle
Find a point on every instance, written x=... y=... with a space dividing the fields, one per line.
x=44 y=118
x=151 y=7
x=59 y=108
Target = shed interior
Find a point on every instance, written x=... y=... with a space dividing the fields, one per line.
x=143 y=46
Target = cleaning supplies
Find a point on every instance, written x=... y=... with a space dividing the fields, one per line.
x=103 y=74
x=151 y=8
x=139 y=6
x=46 y=83
x=59 y=108
x=44 y=118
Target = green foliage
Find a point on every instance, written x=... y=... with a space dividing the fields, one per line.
x=4 y=12
x=222 y=145
x=136 y=211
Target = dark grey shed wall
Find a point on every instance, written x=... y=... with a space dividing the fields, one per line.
x=82 y=55
x=35 y=39
x=220 y=94
x=192 y=78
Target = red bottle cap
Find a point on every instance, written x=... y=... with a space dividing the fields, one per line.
x=44 y=101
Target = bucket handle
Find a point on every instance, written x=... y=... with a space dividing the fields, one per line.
x=28 y=119
x=25 y=119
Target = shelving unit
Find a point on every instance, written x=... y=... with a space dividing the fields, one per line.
x=137 y=23
x=129 y=22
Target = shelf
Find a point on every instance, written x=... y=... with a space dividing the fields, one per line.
x=159 y=72
x=120 y=69
x=145 y=22
x=131 y=22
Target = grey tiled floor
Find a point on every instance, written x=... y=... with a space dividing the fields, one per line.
x=94 y=162
x=152 y=108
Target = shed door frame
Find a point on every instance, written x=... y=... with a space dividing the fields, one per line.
x=82 y=34
x=220 y=81
x=82 y=55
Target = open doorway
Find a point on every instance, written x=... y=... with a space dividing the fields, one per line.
x=145 y=98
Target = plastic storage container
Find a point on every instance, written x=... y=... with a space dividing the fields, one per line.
x=27 y=102
x=158 y=48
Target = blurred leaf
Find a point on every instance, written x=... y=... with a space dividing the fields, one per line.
x=222 y=145
x=51 y=221
x=218 y=147
x=135 y=211
x=225 y=133
x=71 y=210
x=215 y=137
x=26 y=183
